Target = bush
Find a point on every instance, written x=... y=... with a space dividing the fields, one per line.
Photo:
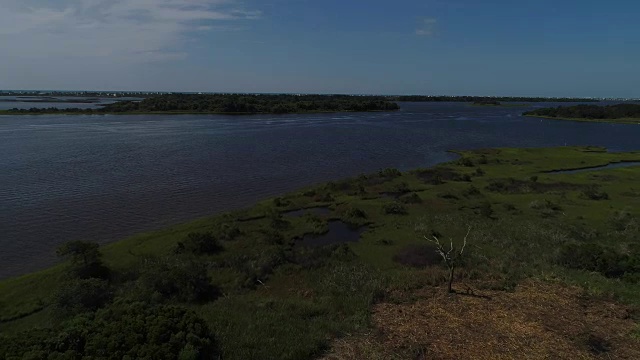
x=121 y=331
x=471 y=191
x=595 y=257
x=355 y=213
x=486 y=210
x=79 y=296
x=623 y=221
x=466 y=162
x=178 y=279
x=389 y=173
x=394 y=208
x=418 y=256
x=86 y=260
x=592 y=193
x=412 y=198
x=199 y=243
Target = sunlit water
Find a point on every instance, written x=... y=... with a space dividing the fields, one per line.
x=106 y=177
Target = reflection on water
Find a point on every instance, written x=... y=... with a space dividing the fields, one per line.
x=105 y=177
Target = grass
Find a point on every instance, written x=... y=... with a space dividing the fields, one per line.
x=282 y=301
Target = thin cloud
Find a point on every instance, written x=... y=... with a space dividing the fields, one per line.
x=427 y=27
x=123 y=30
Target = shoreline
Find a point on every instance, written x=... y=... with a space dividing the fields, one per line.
x=625 y=121
x=130 y=240
x=12 y=113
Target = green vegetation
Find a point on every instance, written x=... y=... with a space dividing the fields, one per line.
x=241 y=286
x=620 y=113
x=425 y=98
x=231 y=104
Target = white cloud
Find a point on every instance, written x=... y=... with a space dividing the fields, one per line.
x=427 y=27
x=109 y=30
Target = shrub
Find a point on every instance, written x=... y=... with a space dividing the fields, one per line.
x=86 y=260
x=592 y=193
x=465 y=161
x=389 y=173
x=486 y=210
x=595 y=257
x=623 y=221
x=400 y=188
x=180 y=279
x=199 y=243
x=418 y=256
x=121 y=331
x=355 y=213
x=79 y=296
x=228 y=232
x=479 y=172
x=412 y=198
x=471 y=191
x=394 y=208
x=384 y=242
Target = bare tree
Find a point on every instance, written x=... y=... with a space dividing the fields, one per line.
x=450 y=256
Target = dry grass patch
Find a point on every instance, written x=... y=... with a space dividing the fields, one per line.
x=537 y=321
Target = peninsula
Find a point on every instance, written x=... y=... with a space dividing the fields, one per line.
x=619 y=113
x=229 y=104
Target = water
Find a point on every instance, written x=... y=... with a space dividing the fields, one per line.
x=338 y=233
x=106 y=177
x=596 y=168
x=318 y=211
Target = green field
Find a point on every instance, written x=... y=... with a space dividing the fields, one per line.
x=262 y=295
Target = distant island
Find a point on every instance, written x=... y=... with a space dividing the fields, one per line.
x=230 y=104
x=473 y=99
x=487 y=103
x=619 y=113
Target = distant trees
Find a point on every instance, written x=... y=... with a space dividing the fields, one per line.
x=237 y=103
x=618 y=111
x=423 y=98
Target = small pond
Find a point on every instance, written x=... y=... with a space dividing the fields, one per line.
x=320 y=211
x=338 y=233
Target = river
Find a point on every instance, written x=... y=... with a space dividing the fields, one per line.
x=104 y=177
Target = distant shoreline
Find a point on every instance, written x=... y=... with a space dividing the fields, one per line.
x=628 y=121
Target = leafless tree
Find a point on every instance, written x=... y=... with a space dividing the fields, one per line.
x=451 y=256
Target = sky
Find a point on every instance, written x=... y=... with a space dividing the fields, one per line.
x=582 y=48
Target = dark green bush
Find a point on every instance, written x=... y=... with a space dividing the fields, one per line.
x=199 y=243
x=78 y=296
x=394 y=208
x=85 y=260
x=412 y=198
x=592 y=193
x=181 y=279
x=121 y=331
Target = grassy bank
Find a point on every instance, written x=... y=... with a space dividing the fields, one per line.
x=268 y=297
x=612 y=121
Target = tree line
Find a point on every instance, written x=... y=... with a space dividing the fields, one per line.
x=480 y=99
x=618 y=111
x=237 y=104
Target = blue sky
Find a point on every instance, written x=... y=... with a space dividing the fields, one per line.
x=455 y=47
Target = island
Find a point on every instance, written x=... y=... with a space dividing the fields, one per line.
x=229 y=104
x=619 y=113
x=499 y=246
